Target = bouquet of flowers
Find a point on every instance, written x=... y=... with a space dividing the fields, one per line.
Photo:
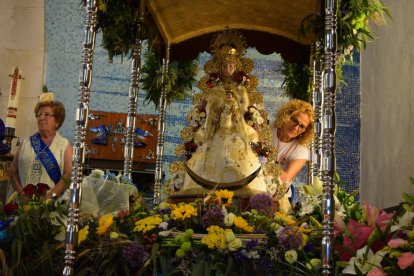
x=213 y=235
x=253 y=117
x=32 y=232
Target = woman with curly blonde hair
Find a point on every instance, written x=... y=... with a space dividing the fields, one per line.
x=292 y=134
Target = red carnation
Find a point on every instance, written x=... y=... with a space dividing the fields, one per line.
x=42 y=188
x=29 y=189
x=190 y=146
x=10 y=208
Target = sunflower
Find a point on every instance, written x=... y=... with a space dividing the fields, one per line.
x=83 y=234
x=104 y=223
x=147 y=224
x=184 y=211
x=241 y=223
x=224 y=197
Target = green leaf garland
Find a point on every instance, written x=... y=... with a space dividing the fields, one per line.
x=179 y=81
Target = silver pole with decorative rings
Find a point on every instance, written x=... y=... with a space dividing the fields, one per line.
x=328 y=135
x=133 y=94
x=317 y=103
x=81 y=124
x=161 y=128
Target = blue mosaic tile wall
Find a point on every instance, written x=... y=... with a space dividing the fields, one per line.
x=109 y=91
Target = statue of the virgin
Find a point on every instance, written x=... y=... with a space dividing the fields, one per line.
x=227 y=145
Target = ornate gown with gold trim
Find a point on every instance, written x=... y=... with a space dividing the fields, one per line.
x=228 y=142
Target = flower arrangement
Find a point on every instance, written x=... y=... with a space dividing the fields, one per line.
x=212 y=234
x=32 y=230
x=353 y=34
x=262 y=150
x=253 y=117
x=120 y=178
x=239 y=77
x=179 y=80
x=197 y=117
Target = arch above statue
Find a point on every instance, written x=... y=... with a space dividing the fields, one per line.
x=271 y=26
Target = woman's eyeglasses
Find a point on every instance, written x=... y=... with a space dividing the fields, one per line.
x=296 y=122
x=46 y=115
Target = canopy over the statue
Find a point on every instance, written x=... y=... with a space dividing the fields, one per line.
x=268 y=25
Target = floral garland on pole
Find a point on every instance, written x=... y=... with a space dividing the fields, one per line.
x=118 y=21
x=354 y=18
x=179 y=81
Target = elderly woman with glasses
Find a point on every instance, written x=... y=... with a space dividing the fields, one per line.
x=45 y=157
x=292 y=133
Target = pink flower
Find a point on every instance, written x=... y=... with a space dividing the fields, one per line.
x=376 y=271
x=395 y=243
x=406 y=260
x=356 y=234
x=376 y=216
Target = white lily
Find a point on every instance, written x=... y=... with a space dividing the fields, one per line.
x=314 y=190
x=404 y=221
x=365 y=260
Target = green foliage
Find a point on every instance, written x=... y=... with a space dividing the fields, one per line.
x=354 y=17
x=118 y=21
x=296 y=81
x=30 y=245
x=353 y=34
x=179 y=81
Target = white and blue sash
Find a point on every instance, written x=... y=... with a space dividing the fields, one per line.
x=46 y=157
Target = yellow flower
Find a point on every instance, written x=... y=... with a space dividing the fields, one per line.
x=83 y=234
x=184 y=211
x=285 y=218
x=291 y=256
x=215 y=238
x=305 y=230
x=224 y=197
x=229 y=219
x=235 y=244
x=240 y=223
x=104 y=223
x=147 y=224
x=26 y=208
x=305 y=239
x=113 y=235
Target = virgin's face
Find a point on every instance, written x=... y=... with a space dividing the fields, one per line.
x=228 y=68
x=297 y=125
x=46 y=122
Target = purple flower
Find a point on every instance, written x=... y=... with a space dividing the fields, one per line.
x=290 y=237
x=309 y=247
x=265 y=264
x=263 y=203
x=212 y=216
x=251 y=244
x=135 y=255
x=239 y=257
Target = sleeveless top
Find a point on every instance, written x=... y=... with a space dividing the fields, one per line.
x=288 y=152
x=31 y=170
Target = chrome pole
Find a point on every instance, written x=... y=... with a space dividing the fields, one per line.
x=81 y=124
x=161 y=128
x=133 y=95
x=317 y=103
x=328 y=135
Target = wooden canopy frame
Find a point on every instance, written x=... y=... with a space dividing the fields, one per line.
x=268 y=25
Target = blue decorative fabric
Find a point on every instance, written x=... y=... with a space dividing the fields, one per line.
x=3 y=147
x=46 y=157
